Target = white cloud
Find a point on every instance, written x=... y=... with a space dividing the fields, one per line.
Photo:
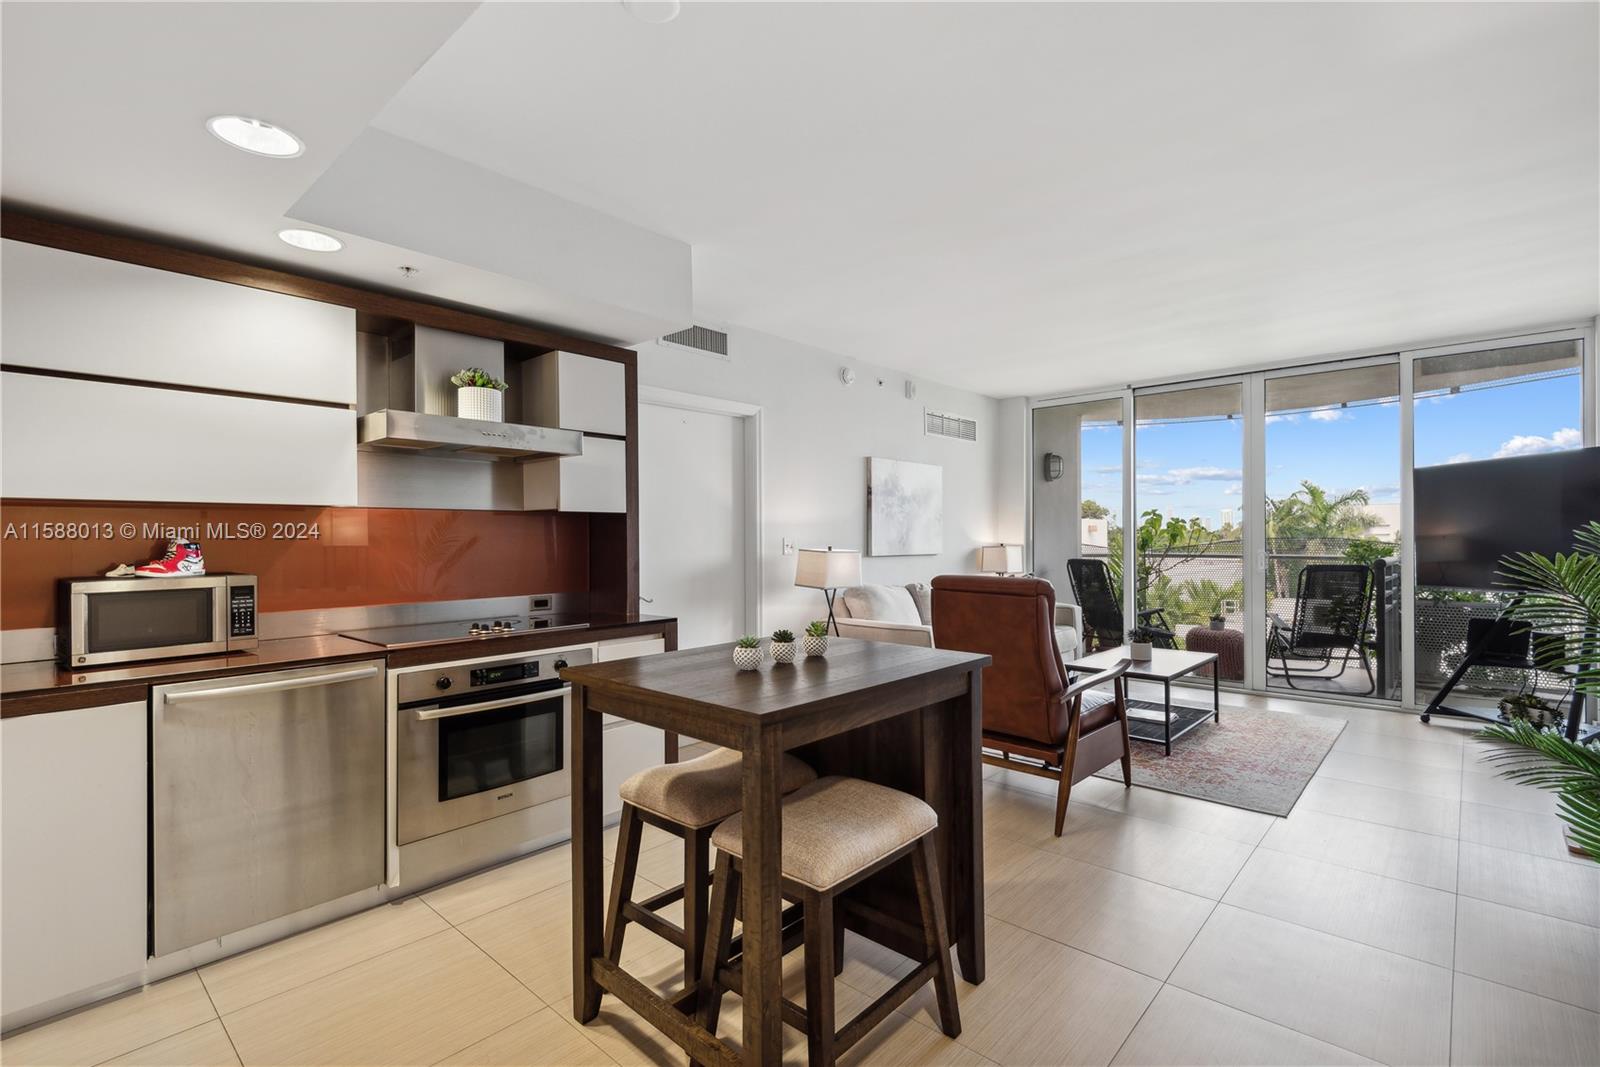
x=1328 y=415
x=1233 y=490
x=1460 y=457
x=1189 y=475
x=1532 y=444
x=1282 y=418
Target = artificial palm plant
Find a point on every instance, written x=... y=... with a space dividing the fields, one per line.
x=1559 y=597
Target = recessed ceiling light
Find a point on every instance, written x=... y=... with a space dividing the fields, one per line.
x=255 y=136
x=311 y=240
x=653 y=11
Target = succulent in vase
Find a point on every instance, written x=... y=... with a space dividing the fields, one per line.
x=1141 y=643
x=783 y=646
x=816 y=639
x=1219 y=621
x=747 y=652
x=479 y=394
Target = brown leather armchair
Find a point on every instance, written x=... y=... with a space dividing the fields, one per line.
x=1063 y=730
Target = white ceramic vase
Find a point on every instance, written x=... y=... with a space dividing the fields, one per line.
x=747 y=659
x=814 y=645
x=782 y=651
x=1141 y=650
x=480 y=402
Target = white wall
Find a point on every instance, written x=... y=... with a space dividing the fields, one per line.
x=818 y=434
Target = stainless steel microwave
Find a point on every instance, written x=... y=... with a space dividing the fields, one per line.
x=125 y=620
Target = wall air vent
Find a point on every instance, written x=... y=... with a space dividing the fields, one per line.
x=702 y=339
x=943 y=424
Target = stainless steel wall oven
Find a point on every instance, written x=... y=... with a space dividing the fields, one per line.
x=478 y=740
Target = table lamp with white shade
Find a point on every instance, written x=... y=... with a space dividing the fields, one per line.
x=1000 y=559
x=828 y=569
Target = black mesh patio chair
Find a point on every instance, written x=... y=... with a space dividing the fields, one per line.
x=1102 y=611
x=1331 y=610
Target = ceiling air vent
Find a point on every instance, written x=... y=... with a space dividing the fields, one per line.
x=943 y=424
x=702 y=339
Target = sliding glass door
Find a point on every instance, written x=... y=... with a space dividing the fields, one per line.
x=1331 y=505
x=1475 y=403
x=1188 y=525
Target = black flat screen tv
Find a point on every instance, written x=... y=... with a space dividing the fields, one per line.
x=1470 y=514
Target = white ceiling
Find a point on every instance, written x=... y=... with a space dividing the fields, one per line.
x=1012 y=198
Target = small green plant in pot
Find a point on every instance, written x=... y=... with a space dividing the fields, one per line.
x=782 y=646
x=1219 y=621
x=479 y=394
x=816 y=639
x=1141 y=643
x=1560 y=598
x=747 y=652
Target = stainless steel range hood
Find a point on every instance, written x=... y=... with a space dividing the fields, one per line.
x=411 y=431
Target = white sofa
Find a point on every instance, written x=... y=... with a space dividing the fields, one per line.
x=902 y=614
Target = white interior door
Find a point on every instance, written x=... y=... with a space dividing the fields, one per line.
x=692 y=518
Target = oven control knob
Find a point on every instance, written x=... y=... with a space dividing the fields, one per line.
x=443 y=682
x=561 y=664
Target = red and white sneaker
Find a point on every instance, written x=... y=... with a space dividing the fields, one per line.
x=183 y=559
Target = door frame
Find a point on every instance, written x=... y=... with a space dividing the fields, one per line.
x=659 y=396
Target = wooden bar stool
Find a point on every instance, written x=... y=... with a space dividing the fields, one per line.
x=686 y=800
x=836 y=831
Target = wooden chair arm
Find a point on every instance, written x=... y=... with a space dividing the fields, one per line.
x=1090 y=681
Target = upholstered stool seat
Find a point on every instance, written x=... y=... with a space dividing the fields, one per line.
x=835 y=833
x=686 y=800
x=704 y=790
x=836 y=827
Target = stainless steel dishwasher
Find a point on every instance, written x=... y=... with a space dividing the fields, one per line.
x=267 y=796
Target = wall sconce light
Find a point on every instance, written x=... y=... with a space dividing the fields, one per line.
x=1052 y=466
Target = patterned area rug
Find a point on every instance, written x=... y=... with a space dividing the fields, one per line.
x=1256 y=760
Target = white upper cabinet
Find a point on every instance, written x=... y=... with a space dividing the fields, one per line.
x=69 y=312
x=72 y=439
x=575 y=392
x=595 y=481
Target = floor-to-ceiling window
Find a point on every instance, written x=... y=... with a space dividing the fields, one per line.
x=1247 y=506
x=1482 y=404
x=1077 y=485
x=1188 y=522
x=1332 y=512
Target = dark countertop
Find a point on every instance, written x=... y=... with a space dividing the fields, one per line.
x=42 y=685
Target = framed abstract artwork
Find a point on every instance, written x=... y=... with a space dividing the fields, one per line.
x=905 y=508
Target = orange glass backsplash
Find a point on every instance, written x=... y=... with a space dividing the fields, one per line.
x=357 y=556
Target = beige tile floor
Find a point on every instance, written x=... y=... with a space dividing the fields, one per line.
x=1412 y=909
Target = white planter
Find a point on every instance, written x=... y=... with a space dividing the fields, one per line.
x=1141 y=650
x=480 y=402
x=747 y=659
x=782 y=651
x=814 y=645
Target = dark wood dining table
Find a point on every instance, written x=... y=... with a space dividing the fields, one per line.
x=899 y=715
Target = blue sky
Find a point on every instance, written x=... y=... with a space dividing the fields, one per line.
x=1193 y=468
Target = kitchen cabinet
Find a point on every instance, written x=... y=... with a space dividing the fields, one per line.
x=627 y=648
x=629 y=748
x=65 y=311
x=71 y=439
x=575 y=393
x=594 y=481
x=72 y=852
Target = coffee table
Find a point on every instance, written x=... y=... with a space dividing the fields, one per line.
x=1164 y=665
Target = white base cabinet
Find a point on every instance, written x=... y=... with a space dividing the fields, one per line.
x=72 y=852
x=629 y=747
x=65 y=438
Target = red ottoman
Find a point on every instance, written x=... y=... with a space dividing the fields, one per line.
x=1227 y=644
